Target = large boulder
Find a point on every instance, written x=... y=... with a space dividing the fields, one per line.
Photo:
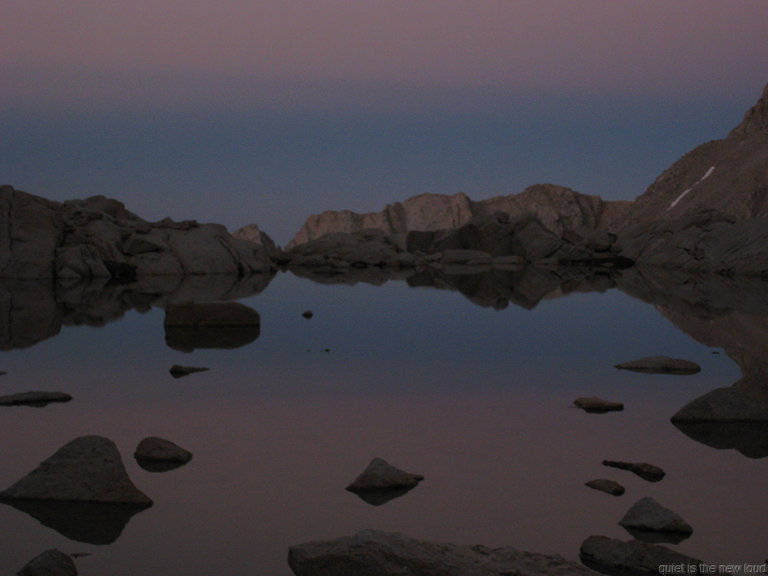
x=87 y=469
x=633 y=558
x=99 y=237
x=375 y=553
x=649 y=521
x=52 y=562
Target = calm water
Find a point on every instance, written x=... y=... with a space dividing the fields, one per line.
x=476 y=399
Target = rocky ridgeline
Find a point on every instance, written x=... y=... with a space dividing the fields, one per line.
x=708 y=212
x=98 y=237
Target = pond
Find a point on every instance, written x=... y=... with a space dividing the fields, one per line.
x=477 y=398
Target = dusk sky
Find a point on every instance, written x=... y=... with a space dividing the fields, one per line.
x=240 y=112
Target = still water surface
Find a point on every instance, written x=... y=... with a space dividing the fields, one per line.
x=477 y=400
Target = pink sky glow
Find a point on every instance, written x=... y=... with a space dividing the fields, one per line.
x=118 y=51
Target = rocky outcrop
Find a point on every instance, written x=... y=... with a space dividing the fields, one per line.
x=98 y=237
x=557 y=207
x=376 y=553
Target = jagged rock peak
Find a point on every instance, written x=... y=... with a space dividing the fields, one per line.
x=756 y=118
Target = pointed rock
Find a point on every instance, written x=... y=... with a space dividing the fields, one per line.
x=178 y=371
x=52 y=562
x=608 y=486
x=87 y=469
x=380 y=475
x=649 y=521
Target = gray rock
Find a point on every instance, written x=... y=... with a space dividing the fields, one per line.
x=646 y=471
x=608 y=486
x=374 y=553
x=87 y=469
x=160 y=455
x=649 y=521
x=633 y=558
x=742 y=402
x=34 y=398
x=379 y=475
x=178 y=371
x=52 y=562
x=98 y=237
x=597 y=405
x=660 y=365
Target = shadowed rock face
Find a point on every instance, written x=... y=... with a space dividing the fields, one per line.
x=375 y=553
x=98 y=237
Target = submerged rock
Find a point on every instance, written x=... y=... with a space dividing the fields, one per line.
x=660 y=365
x=593 y=404
x=646 y=471
x=159 y=455
x=633 y=558
x=87 y=469
x=608 y=486
x=375 y=553
x=649 y=521
x=34 y=398
x=52 y=562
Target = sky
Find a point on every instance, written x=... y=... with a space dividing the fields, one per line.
x=242 y=112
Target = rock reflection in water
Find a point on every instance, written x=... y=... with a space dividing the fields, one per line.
x=90 y=522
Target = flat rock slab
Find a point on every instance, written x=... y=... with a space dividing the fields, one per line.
x=646 y=471
x=34 y=398
x=608 y=486
x=595 y=405
x=52 y=562
x=649 y=521
x=159 y=455
x=375 y=553
x=178 y=371
x=87 y=469
x=660 y=365
x=633 y=558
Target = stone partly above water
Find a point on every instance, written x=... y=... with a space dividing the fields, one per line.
x=646 y=471
x=649 y=521
x=660 y=365
x=179 y=371
x=191 y=325
x=34 y=398
x=376 y=553
x=608 y=486
x=52 y=562
x=381 y=482
x=593 y=404
x=160 y=455
x=633 y=558
x=87 y=469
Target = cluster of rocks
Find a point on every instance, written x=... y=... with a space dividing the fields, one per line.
x=97 y=237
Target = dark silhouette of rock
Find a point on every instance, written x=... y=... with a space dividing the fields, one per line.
x=649 y=521
x=633 y=558
x=593 y=404
x=160 y=455
x=660 y=365
x=34 y=398
x=748 y=438
x=178 y=371
x=307 y=314
x=381 y=482
x=608 y=486
x=87 y=469
x=375 y=553
x=98 y=237
x=52 y=562
x=745 y=401
x=646 y=471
